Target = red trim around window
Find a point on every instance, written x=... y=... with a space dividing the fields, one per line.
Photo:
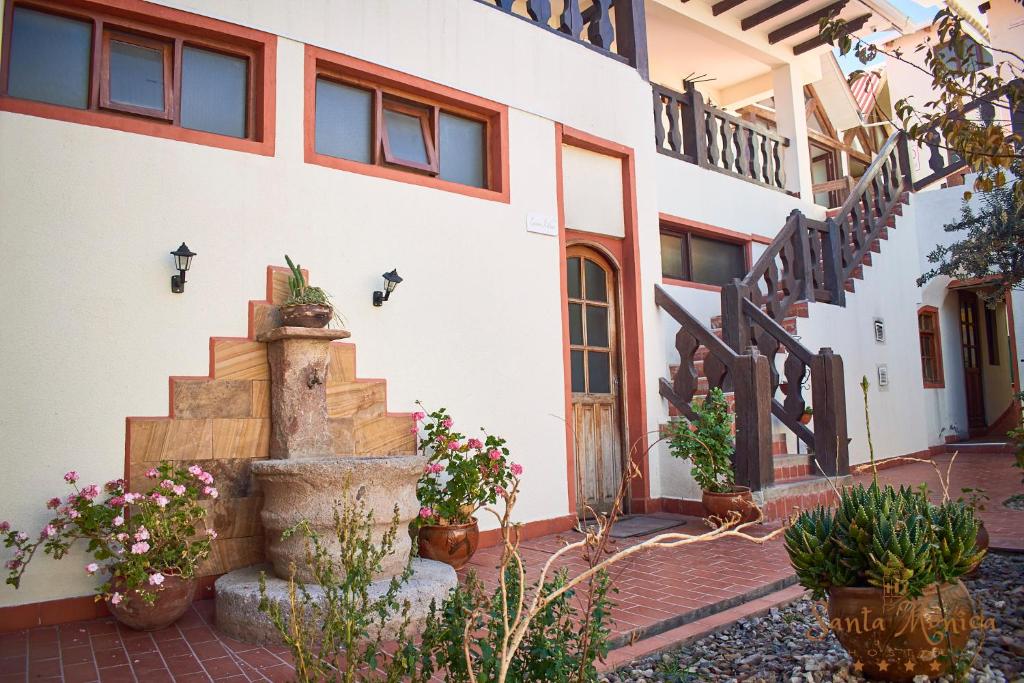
x=359 y=73
x=933 y=313
x=155 y=20
x=681 y=225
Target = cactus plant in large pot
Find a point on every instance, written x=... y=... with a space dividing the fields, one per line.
x=889 y=563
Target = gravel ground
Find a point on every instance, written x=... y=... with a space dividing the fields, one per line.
x=1015 y=502
x=774 y=648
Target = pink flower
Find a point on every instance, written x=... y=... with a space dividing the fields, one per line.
x=13 y=564
x=132 y=497
x=453 y=445
x=142 y=534
x=494 y=454
x=91 y=491
x=116 y=598
x=447 y=423
x=179 y=489
x=436 y=468
x=210 y=491
x=517 y=469
x=212 y=533
x=71 y=477
x=475 y=443
x=418 y=416
x=206 y=477
x=22 y=536
x=122 y=537
x=118 y=521
x=439 y=438
x=113 y=485
x=152 y=473
x=195 y=470
x=140 y=548
x=167 y=484
x=499 y=490
x=74 y=514
x=162 y=501
x=156 y=579
x=5 y=526
x=426 y=513
x=49 y=531
x=53 y=503
x=92 y=567
x=414 y=430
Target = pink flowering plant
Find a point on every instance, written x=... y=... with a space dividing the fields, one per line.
x=136 y=539
x=462 y=474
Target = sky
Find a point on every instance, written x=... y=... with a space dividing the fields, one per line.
x=918 y=15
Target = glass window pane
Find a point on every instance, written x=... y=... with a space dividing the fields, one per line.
x=405 y=136
x=598 y=373
x=462 y=150
x=595 y=281
x=672 y=257
x=576 y=361
x=344 y=116
x=136 y=75
x=576 y=324
x=213 y=92
x=715 y=262
x=573 y=268
x=50 y=58
x=597 y=326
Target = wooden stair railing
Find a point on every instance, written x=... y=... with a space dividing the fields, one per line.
x=746 y=374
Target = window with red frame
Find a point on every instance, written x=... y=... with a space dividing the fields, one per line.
x=702 y=259
x=109 y=63
x=931 y=347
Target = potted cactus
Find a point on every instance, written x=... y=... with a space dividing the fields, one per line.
x=305 y=306
x=707 y=442
x=889 y=563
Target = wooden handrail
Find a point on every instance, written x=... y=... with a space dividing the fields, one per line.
x=776 y=330
x=706 y=337
x=760 y=267
x=872 y=171
x=749 y=125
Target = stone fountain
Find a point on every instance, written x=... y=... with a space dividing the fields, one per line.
x=305 y=480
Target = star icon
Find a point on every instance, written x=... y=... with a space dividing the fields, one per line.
x=909 y=665
x=883 y=665
x=935 y=666
x=858 y=666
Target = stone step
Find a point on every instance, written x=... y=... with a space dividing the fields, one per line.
x=857 y=273
x=365 y=398
x=782 y=499
x=790 y=467
x=865 y=260
x=876 y=246
x=789 y=323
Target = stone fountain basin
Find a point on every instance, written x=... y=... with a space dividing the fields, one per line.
x=312 y=489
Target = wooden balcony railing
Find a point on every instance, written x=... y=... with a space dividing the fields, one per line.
x=614 y=28
x=688 y=129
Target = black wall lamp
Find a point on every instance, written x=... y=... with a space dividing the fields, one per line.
x=391 y=279
x=182 y=261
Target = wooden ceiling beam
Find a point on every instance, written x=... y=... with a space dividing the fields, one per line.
x=850 y=26
x=805 y=22
x=770 y=12
x=725 y=6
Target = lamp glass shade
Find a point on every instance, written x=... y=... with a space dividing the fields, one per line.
x=391 y=279
x=183 y=257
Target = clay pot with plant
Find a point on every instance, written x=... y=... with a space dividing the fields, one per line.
x=305 y=306
x=805 y=417
x=461 y=476
x=706 y=441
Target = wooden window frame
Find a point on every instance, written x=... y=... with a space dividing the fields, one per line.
x=678 y=227
x=936 y=334
x=140 y=23
x=165 y=48
x=408 y=94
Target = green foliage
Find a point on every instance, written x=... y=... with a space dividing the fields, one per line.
x=300 y=292
x=883 y=537
x=337 y=636
x=561 y=644
x=137 y=539
x=707 y=442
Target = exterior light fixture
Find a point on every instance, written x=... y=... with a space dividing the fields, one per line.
x=391 y=279
x=182 y=261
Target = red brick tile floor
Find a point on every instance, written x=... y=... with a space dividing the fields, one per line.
x=659 y=592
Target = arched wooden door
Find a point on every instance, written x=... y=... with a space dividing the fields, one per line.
x=594 y=375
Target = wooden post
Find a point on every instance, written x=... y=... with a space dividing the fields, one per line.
x=803 y=267
x=631 y=34
x=752 y=459
x=695 y=139
x=735 y=328
x=832 y=256
x=828 y=398
x=903 y=151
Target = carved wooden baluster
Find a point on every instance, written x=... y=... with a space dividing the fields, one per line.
x=987 y=111
x=768 y=171
x=685 y=382
x=659 y=120
x=675 y=129
x=600 y=32
x=779 y=178
x=504 y=4
x=874 y=213
x=788 y=259
x=895 y=174
x=728 y=157
x=769 y=346
x=846 y=234
x=715 y=371
x=936 y=162
x=771 y=277
x=817 y=265
x=571 y=21
x=756 y=156
x=743 y=149
x=539 y=10
x=711 y=130
x=794 y=370
x=856 y=225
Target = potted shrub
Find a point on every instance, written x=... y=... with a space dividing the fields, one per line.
x=305 y=306
x=805 y=417
x=461 y=476
x=889 y=563
x=148 y=546
x=707 y=442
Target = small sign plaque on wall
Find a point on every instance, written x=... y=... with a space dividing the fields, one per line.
x=542 y=224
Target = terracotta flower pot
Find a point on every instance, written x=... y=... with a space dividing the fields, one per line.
x=173 y=598
x=981 y=544
x=805 y=418
x=721 y=504
x=306 y=315
x=452 y=544
x=895 y=638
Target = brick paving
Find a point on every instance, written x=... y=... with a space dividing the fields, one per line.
x=664 y=595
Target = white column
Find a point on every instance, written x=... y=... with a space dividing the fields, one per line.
x=791 y=119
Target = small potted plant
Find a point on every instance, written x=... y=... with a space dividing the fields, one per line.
x=889 y=563
x=707 y=442
x=461 y=476
x=976 y=499
x=147 y=545
x=805 y=417
x=305 y=306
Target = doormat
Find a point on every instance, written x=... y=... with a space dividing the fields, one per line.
x=642 y=525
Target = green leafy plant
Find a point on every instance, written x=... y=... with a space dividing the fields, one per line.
x=461 y=474
x=338 y=635
x=301 y=293
x=137 y=539
x=975 y=498
x=707 y=442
